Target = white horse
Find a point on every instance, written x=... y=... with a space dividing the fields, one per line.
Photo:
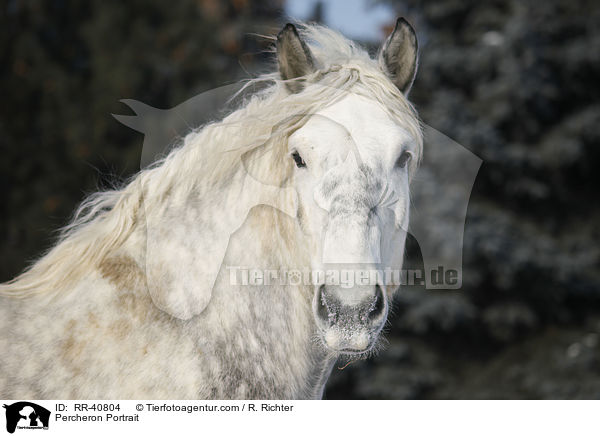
x=138 y=298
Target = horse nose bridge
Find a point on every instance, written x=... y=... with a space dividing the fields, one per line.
x=352 y=237
x=350 y=189
x=352 y=233
x=349 y=244
x=353 y=206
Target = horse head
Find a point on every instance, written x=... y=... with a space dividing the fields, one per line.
x=353 y=163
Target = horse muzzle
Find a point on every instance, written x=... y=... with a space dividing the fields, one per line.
x=350 y=320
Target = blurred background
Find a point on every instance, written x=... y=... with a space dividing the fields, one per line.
x=515 y=82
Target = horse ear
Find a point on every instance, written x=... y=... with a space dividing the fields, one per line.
x=293 y=57
x=398 y=57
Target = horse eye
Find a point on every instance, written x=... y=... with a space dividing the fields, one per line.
x=403 y=159
x=298 y=159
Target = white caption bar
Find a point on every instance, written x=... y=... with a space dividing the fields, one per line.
x=300 y=417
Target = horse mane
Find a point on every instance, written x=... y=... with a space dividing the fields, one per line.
x=208 y=155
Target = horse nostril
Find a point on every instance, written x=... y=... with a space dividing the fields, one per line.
x=322 y=310
x=378 y=305
x=331 y=310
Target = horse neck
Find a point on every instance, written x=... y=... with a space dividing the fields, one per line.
x=266 y=325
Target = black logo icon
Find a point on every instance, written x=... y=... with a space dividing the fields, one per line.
x=25 y=415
